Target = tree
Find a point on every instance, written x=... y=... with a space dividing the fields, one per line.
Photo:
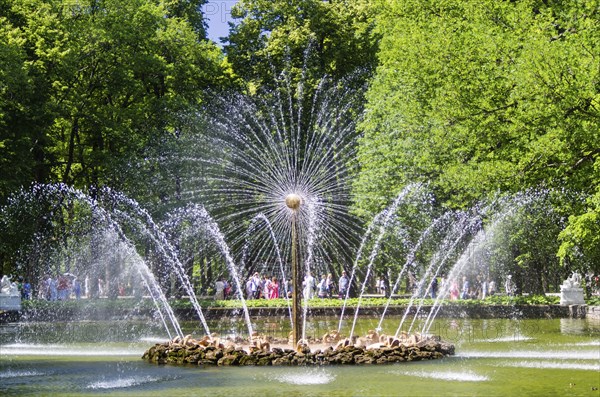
x=91 y=90
x=311 y=37
x=481 y=97
x=23 y=112
x=112 y=75
x=580 y=240
x=486 y=96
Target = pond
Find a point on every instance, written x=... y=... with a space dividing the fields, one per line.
x=495 y=357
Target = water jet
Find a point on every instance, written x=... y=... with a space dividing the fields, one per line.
x=293 y=201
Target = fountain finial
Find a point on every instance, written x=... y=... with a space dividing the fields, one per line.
x=293 y=201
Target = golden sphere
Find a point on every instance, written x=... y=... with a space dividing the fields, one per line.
x=293 y=201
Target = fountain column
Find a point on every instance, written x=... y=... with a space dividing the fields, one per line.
x=293 y=201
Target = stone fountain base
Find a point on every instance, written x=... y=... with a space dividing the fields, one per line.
x=214 y=353
x=10 y=303
x=571 y=296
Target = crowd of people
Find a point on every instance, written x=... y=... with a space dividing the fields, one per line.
x=61 y=287
x=265 y=287
x=326 y=287
x=478 y=288
x=68 y=286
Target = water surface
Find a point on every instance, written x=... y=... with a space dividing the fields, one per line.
x=501 y=357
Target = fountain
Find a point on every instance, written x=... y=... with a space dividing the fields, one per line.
x=292 y=177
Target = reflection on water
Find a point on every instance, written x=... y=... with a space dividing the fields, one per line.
x=572 y=326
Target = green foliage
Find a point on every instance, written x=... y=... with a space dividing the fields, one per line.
x=275 y=35
x=581 y=238
x=522 y=300
x=103 y=83
x=180 y=304
x=525 y=243
x=593 y=301
x=373 y=302
x=477 y=98
x=93 y=94
x=84 y=305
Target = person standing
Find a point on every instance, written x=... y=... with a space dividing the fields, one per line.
x=256 y=285
x=476 y=290
x=330 y=285
x=77 y=288
x=26 y=292
x=227 y=290
x=322 y=287
x=343 y=285
x=219 y=290
x=265 y=287
x=44 y=288
x=464 y=293
x=274 y=289
x=491 y=287
x=454 y=291
x=484 y=288
x=434 y=287
x=381 y=286
x=53 y=286
x=249 y=290
x=309 y=286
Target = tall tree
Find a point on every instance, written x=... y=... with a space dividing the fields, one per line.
x=90 y=91
x=111 y=75
x=480 y=97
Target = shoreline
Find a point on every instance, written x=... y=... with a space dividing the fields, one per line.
x=210 y=313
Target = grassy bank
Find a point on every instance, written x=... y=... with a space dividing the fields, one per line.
x=147 y=304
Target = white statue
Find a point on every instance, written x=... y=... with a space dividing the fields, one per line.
x=7 y=287
x=574 y=281
x=571 y=292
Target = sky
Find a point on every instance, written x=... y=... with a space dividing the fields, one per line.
x=218 y=13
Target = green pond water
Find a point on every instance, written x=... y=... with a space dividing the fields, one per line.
x=500 y=357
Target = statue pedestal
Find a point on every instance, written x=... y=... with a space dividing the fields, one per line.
x=10 y=303
x=571 y=296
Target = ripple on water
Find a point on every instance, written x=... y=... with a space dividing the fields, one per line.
x=590 y=343
x=154 y=339
x=556 y=355
x=314 y=376
x=463 y=376
x=553 y=365
x=120 y=383
x=27 y=349
x=513 y=338
x=19 y=374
